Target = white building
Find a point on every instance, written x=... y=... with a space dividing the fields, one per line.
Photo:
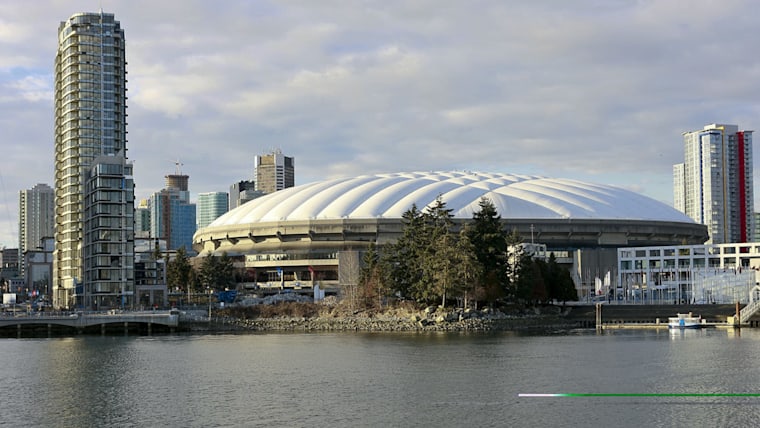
x=710 y=273
x=90 y=121
x=714 y=183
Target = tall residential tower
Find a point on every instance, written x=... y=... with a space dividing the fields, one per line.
x=35 y=219
x=90 y=123
x=714 y=183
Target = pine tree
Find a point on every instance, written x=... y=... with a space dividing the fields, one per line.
x=516 y=261
x=468 y=268
x=438 y=253
x=403 y=257
x=178 y=271
x=488 y=239
x=216 y=272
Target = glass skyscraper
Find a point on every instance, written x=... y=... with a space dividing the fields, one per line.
x=714 y=184
x=172 y=216
x=210 y=206
x=90 y=122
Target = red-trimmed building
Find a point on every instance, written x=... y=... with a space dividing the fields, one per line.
x=714 y=184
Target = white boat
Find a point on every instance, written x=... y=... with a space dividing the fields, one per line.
x=685 y=321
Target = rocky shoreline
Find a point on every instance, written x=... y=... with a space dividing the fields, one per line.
x=425 y=321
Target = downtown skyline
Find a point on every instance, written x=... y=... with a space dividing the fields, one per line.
x=594 y=91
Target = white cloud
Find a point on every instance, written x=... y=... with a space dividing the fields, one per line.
x=33 y=88
x=594 y=90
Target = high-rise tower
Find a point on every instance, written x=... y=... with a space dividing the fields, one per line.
x=210 y=206
x=274 y=171
x=714 y=183
x=90 y=122
x=172 y=216
x=242 y=192
x=35 y=219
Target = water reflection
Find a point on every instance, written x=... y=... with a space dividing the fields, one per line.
x=85 y=381
x=381 y=379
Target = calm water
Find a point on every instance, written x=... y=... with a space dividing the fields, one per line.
x=439 y=380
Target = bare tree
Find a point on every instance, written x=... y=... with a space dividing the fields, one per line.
x=349 y=272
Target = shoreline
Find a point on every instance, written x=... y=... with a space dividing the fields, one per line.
x=382 y=324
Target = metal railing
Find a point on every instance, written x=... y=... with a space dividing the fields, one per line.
x=751 y=309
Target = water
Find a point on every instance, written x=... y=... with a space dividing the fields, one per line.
x=348 y=380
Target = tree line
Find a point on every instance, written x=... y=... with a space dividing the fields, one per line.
x=214 y=273
x=431 y=262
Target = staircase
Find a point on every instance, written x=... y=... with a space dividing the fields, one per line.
x=746 y=313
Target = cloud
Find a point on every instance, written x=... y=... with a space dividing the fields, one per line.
x=33 y=88
x=593 y=90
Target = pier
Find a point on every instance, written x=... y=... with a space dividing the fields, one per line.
x=610 y=316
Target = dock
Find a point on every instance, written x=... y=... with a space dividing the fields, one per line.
x=615 y=316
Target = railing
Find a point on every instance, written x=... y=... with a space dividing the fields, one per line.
x=749 y=310
x=170 y=319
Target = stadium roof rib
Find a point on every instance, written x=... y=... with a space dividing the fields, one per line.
x=390 y=195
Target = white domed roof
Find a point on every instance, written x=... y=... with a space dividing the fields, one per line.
x=390 y=195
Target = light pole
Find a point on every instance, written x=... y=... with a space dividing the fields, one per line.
x=209 y=304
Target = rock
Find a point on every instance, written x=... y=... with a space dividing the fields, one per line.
x=430 y=309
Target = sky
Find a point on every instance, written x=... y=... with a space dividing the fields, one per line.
x=592 y=90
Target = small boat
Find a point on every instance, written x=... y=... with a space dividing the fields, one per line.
x=685 y=321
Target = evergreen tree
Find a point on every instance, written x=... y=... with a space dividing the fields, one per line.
x=490 y=246
x=438 y=255
x=226 y=272
x=565 y=288
x=206 y=272
x=468 y=268
x=525 y=277
x=559 y=283
x=551 y=275
x=516 y=261
x=403 y=257
x=178 y=270
x=539 y=292
x=216 y=272
x=441 y=268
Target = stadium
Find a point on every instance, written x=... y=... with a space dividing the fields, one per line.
x=312 y=234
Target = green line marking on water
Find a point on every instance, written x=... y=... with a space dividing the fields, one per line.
x=667 y=394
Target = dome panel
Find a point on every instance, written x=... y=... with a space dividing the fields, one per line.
x=390 y=195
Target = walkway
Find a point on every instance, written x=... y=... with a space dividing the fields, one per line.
x=80 y=320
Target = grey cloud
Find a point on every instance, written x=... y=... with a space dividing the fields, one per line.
x=594 y=90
